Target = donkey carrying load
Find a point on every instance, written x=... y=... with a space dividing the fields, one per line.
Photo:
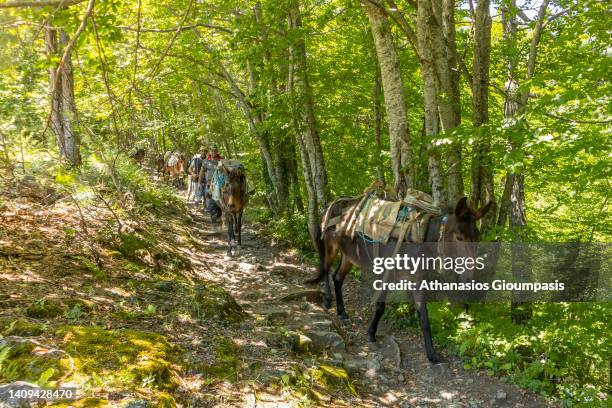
x=228 y=188
x=417 y=226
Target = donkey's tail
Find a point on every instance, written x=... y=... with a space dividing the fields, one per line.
x=321 y=252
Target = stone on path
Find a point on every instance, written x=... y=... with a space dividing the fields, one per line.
x=501 y=395
x=327 y=341
x=311 y=295
x=391 y=351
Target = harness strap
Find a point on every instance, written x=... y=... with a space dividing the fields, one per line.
x=337 y=219
x=353 y=218
x=405 y=227
x=442 y=235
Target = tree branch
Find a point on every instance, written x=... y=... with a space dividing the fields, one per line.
x=138 y=28
x=533 y=50
x=41 y=3
x=176 y=33
x=174 y=29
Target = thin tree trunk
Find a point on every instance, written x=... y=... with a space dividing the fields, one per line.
x=295 y=182
x=305 y=155
x=395 y=100
x=56 y=123
x=71 y=138
x=515 y=105
x=431 y=119
x=311 y=137
x=440 y=25
x=481 y=184
x=380 y=174
x=312 y=208
x=454 y=162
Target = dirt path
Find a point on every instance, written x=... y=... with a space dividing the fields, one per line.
x=289 y=328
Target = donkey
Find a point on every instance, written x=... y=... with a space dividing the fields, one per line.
x=206 y=177
x=233 y=200
x=173 y=163
x=458 y=226
x=138 y=156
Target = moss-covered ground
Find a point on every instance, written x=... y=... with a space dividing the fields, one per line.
x=106 y=296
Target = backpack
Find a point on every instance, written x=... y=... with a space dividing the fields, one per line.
x=196 y=162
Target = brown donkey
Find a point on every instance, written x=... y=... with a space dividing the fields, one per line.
x=233 y=200
x=458 y=226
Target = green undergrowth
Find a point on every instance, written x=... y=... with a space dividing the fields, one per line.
x=21 y=327
x=48 y=308
x=290 y=229
x=564 y=351
x=19 y=360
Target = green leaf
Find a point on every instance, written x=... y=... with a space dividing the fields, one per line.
x=45 y=376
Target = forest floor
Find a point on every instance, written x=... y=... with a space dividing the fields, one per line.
x=148 y=311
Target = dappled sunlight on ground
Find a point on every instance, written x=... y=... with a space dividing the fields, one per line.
x=156 y=311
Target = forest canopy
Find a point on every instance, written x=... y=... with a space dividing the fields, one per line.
x=516 y=96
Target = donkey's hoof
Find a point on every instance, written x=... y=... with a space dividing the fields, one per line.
x=435 y=360
x=371 y=338
x=327 y=303
x=344 y=320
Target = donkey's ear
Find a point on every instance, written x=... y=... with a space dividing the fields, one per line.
x=462 y=208
x=481 y=212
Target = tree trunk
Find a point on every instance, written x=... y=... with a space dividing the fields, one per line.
x=439 y=23
x=395 y=101
x=515 y=181
x=312 y=208
x=56 y=123
x=63 y=108
x=311 y=137
x=295 y=181
x=481 y=184
x=305 y=155
x=450 y=65
x=430 y=103
x=71 y=139
x=376 y=95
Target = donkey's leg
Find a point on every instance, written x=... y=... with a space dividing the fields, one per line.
x=230 y=232
x=239 y=228
x=380 y=310
x=426 y=329
x=338 y=277
x=324 y=263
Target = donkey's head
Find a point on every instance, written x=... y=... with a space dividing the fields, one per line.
x=235 y=190
x=458 y=233
x=462 y=224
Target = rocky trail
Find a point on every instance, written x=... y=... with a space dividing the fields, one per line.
x=287 y=330
x=166 y=319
